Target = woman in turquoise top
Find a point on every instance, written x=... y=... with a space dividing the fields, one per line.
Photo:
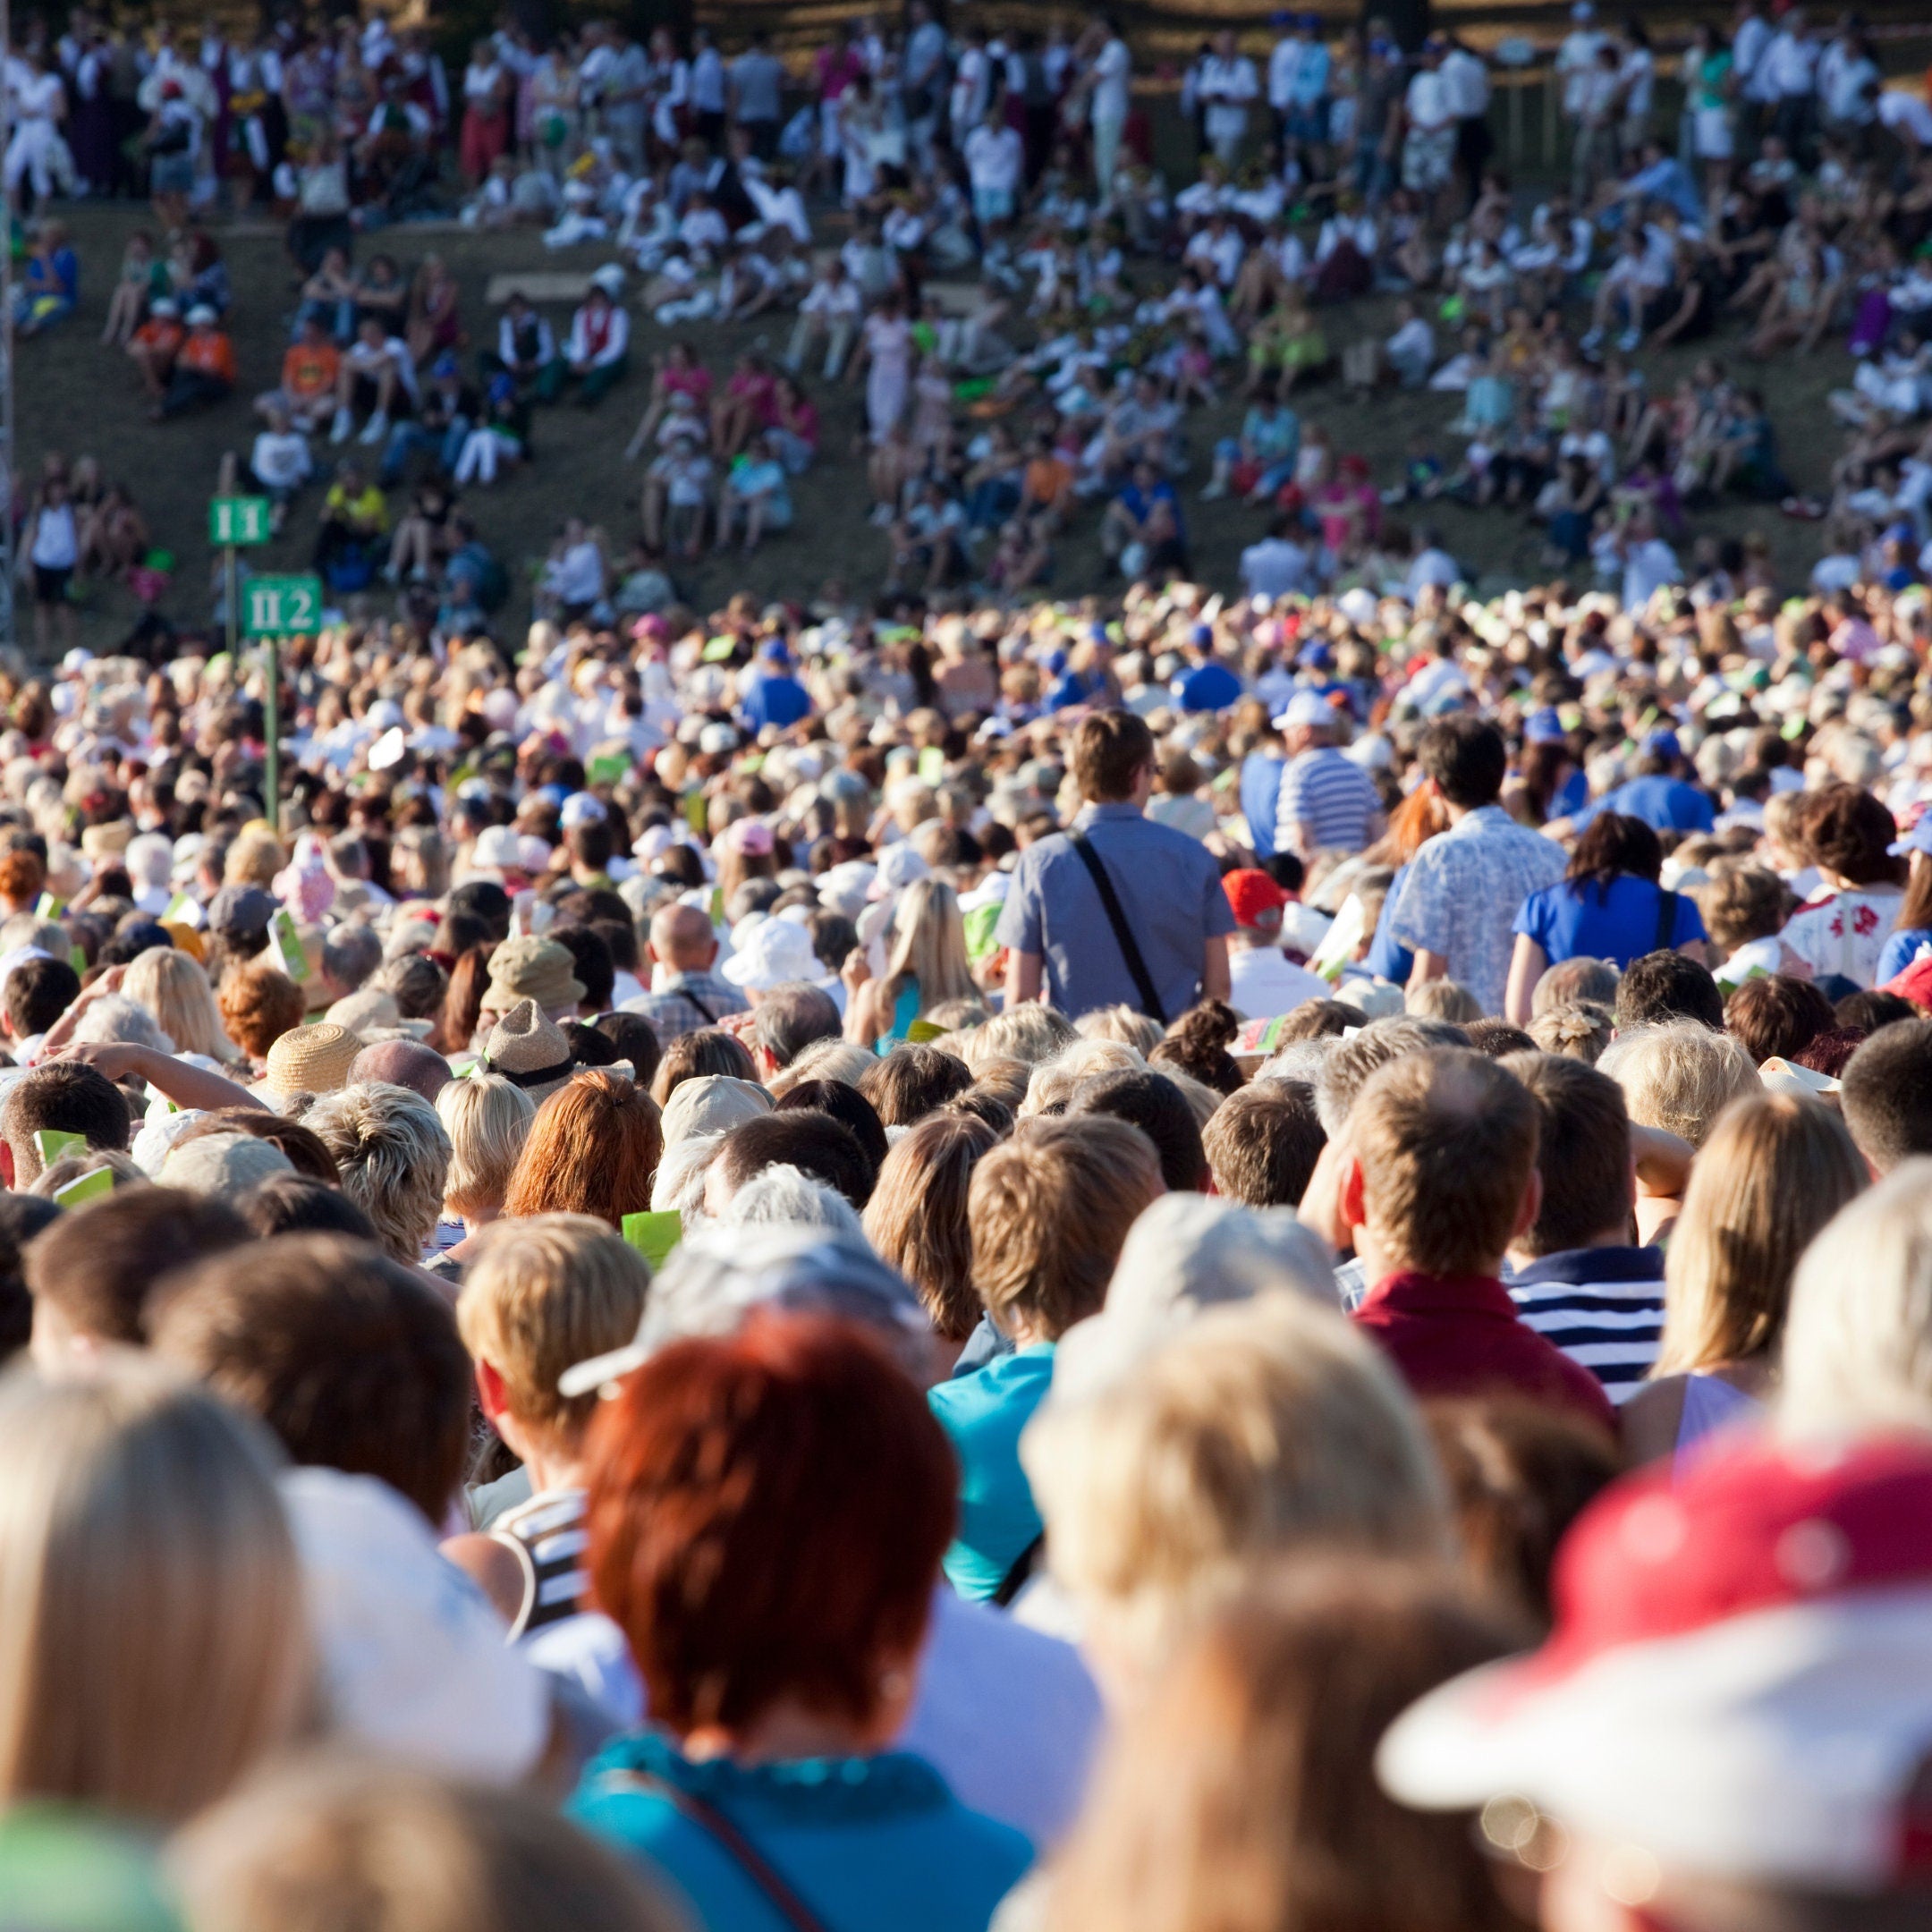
x=766 y=1514
x=927 y=966
x=1048 y=1215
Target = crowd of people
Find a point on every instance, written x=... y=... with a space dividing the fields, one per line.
x=1151 y=1259
x=982 y=232
x=1180 y=1262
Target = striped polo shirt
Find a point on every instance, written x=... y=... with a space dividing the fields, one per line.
x=1331 y=797
x=1602 y=1307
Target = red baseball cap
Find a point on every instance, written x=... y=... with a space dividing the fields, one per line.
x=1256 y=899
x=1739 y=1679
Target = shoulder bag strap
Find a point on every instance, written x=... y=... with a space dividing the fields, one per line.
x=692 y=999
x=1666 y=921
x=786 y=1902
x=1122 y=933
x=1023 y=1566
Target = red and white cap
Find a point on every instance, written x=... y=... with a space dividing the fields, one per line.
x=1739 y=1682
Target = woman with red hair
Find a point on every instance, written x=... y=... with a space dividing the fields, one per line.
x=766 y=1516
x=593 y=1150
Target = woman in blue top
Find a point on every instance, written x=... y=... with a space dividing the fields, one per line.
x=1914 y=927
x=767 y=1513
x=1608 y=905
x=927 y=967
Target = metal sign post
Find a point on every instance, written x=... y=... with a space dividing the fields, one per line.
x=278 y=607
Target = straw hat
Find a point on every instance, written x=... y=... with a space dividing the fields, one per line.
x=533 y=968
x=312 y=1059
x=528 y=1051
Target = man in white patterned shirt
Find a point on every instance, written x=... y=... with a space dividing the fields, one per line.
x=1457 y=904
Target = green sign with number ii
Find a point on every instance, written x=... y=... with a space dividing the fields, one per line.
x=280 y=606
x=239 y=520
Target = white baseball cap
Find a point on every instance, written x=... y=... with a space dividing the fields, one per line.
x=1306 y=707
x=1738 y=1683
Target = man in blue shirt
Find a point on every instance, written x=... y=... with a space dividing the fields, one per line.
x=1056 y=924
x=1658 y=794
x=1261 y=791
x=777 y=698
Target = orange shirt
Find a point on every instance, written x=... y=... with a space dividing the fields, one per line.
x=209 y=351
x=309 y=369
x=161 y=333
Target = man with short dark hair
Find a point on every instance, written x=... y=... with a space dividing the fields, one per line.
x=39 y=991
x=65 y=1097
x=1887 y=1095
x=353 y=1360
x=820 y=1147
x=1151 y=1102
x=1580 y=1283
x=1262 y=1143
x=1663 y=987
x=91 y=1271
x=787 y=1020
x=1457 y=908
x=1436 y=1181
x=1117 y=909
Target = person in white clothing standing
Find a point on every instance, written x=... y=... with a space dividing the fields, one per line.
x=995 y=158
x=1228 y=83
x=1108 y=83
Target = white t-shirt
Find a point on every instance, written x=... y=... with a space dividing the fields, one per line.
x=1112 y=73
x=1263 y=982
x=994 y=158
x=1274 y=568
x=1428 y=102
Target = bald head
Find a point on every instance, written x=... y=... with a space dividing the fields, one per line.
x=402 y=1062
x=681 y=937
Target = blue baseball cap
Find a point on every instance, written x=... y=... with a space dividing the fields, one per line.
x=1918 y=839
x=1661 y=743
x=1543 y=728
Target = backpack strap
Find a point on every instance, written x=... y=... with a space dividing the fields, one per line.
x=699 y=1811
x=1110 y=904
x=1023 y=1566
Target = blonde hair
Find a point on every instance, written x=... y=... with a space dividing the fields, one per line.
x=1776 y=1169
x=541 y=1294
x=1858 y=1346
x=175 y=992
x=1053 y=1081
x=1443 y=999
x=254 y=857
x=929 y=948
x=1680 y=1076
x=153 y=1644
x=1049 y=1210
x=487 y=1119
x=1142 y=1031
x=393 y=1156
x=336 y=1840
x=1255 y=1429
x=825 y=1059
x=1031 y=1031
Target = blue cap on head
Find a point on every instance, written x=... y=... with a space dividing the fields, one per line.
x=1544 y=727
x=1096 y=632
x=1202 y=634
x=776 y=651
x=1918 y=839
x=1056 y=662
x=1318 y=657
x=1661 y=743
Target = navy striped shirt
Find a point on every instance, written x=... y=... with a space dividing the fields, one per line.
x=1602 y=1307
x=1331 y=798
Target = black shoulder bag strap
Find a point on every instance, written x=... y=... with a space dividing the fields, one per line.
x=1023 y=1566
x=1666 y=920
x=756 y=1867
x=1122 y=933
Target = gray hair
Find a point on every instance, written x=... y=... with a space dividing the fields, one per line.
x=350 y=952
x=394 y=1157
x=784 y=1196
x=115 y=1019
x=1299 y=1060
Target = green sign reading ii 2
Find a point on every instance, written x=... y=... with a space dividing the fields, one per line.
x=280 y=606
x=239 y=519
